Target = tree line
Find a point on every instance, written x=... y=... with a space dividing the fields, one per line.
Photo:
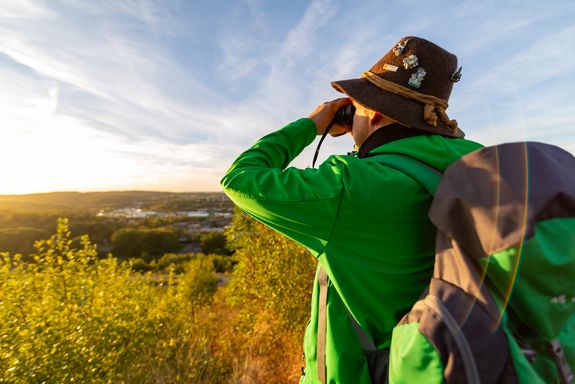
x=147 y=239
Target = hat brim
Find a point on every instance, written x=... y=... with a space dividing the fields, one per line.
x=398 y=108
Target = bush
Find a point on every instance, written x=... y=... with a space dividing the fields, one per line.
x=140 y=265
x=70 y=317
x=20 y=239
x=178 y=263
x=67 y=317
x=272 y=270
x=200 y=282
x=267 y=302
x=214 y=242
x=148 y=244
x=223 y=264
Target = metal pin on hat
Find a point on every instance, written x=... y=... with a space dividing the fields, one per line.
x=410 y=61
x=456 y=76
x=417 y=77
x=398 y=50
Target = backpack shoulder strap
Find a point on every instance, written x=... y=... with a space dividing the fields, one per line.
x=419 y=171
x=323 y=281
x=429 y=178
x=377 y=360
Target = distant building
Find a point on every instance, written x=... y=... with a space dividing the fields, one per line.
x=132 y=213
x=196 y=213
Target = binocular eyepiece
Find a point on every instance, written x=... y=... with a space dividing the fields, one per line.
x=344 y=116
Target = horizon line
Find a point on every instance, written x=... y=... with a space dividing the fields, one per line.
x=108 y=191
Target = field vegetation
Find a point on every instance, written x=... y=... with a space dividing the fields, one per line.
x=234 y=312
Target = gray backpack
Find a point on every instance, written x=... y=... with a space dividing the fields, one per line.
x=500 y=307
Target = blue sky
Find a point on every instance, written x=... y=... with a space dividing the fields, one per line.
x=163 y=95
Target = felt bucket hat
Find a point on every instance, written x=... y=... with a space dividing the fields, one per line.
x=411 y=84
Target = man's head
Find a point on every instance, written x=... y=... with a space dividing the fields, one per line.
x=365 y=122
x=410 y=85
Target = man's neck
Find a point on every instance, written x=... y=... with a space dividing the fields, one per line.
x=387 y=134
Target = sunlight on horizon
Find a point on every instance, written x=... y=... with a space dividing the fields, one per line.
x=55 y=153
x=52 y=160
x=135 y=96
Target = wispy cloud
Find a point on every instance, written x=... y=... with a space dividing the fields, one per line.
x=131 y=75
x=167 y=93
x=23 y=10
x=288 y=67
x=101 y=80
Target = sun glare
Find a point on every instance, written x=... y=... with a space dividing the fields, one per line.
x=58 y=153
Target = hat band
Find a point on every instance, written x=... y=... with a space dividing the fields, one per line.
x=432 y=106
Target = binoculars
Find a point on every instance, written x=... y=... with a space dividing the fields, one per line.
x=343 y=117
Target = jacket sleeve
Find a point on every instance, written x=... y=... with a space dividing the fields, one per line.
x=300 y=203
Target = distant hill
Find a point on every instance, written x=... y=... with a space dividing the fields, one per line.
x=64 y=201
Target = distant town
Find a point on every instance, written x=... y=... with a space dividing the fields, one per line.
x=106 y=216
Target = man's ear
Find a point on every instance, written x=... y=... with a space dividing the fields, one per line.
x=375 y=117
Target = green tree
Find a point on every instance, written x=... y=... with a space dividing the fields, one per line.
x=100 y=230
x=69 y=317
x=20 y=239
x=145 y=243
x=272 y=270
x=265 y=304
x=214 y=242
x=200 y=280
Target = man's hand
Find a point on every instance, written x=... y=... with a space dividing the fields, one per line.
x=324 y=113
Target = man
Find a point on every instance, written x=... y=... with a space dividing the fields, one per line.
x=365 y=222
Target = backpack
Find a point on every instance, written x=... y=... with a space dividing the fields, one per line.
x=500 y=307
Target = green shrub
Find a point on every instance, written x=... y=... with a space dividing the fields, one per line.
x=176 y=261
x=200 y=281
x=69 y=317
x=271 y=270
x=140 y=265
x=20 y=239
x=223 y=263
x=214 y=242
x=148 y=244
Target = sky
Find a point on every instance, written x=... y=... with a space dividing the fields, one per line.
x=164 y=94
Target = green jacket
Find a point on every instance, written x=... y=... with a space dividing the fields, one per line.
x=365 y=222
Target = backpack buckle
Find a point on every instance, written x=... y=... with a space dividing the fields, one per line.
x=529 y=354
x=565 y=373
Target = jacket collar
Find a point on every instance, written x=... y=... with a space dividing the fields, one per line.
x=386 y=135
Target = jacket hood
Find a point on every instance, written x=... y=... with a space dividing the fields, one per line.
x=435 y=150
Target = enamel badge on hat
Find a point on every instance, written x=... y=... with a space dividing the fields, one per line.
x=398 y=50
x=417 y=77
x=456 y=76
x=410 y=62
